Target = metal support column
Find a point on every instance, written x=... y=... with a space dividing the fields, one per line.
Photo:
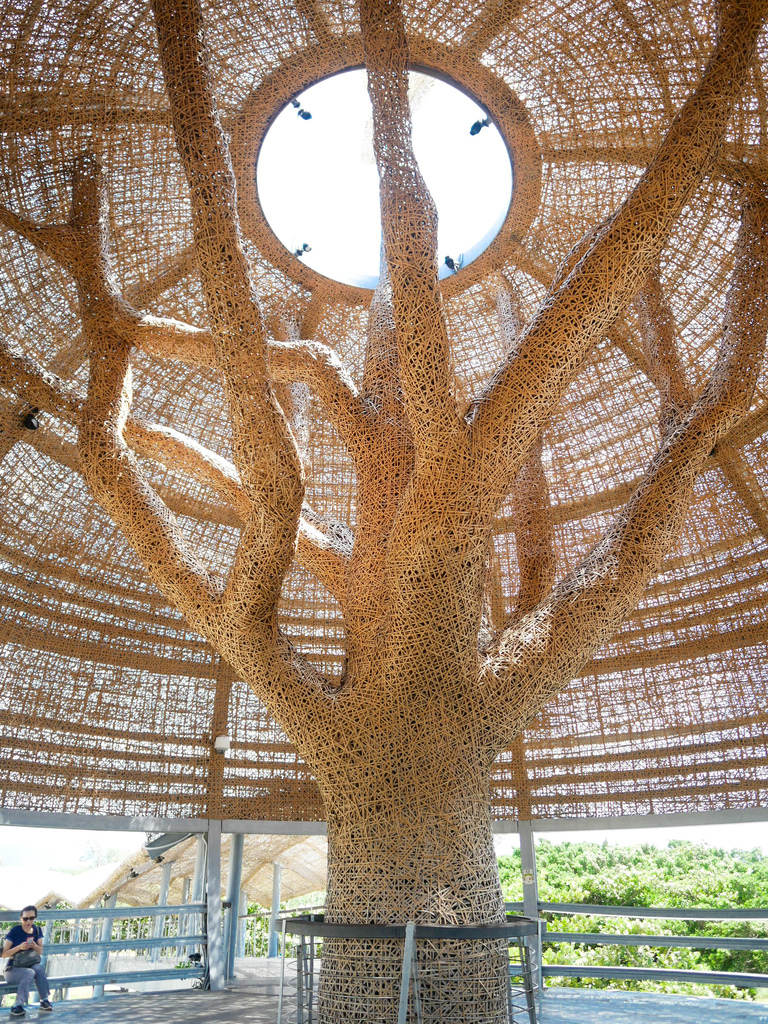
x=106 y=935
x=277 y=871
x=162 y=901
x=531 y=897
x=234 y=877
x=216 y=965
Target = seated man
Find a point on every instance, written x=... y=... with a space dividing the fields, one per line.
x=23 y=948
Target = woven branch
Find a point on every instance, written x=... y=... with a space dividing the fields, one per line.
x=516 y=402
x=533 y=659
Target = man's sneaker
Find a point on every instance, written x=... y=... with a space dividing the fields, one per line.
x=18 y=1011
x=45 y=1005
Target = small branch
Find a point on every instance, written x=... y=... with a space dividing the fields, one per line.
x=657 y=331
x=533 y=534
x=36 y=386
x=172 y=339
x=529 y=498
x=118 y=484
x=58 y=242
x=319 y=367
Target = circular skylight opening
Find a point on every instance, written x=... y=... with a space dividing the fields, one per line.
x=319 y=189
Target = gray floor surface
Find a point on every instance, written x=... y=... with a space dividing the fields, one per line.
x=246 y=1005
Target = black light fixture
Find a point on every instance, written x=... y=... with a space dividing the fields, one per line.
x=300 y=112
x=302 y=249
x=478 y=126
x=31 y=421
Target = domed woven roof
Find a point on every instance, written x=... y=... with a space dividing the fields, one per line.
x=109 y=702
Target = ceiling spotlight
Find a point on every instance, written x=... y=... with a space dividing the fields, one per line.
x=478 y=126
x=303 y=114
x=302 y=249
x=454 y=265
x=221 y=743
x=31 y=421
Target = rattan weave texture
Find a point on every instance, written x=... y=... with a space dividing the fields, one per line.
x=115 y=679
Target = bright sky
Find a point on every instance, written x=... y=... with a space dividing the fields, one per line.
x=61 y=849
x=742 y=836
x=318 y=184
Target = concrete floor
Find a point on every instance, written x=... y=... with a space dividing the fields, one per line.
x=575 y=1006
x=247 y=1005
x=252 y=999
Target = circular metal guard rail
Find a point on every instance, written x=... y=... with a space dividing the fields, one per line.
x=518 y=931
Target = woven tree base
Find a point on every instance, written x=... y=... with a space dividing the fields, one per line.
x=437 y=680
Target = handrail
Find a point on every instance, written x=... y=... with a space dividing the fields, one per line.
x=739 y=979
x=108 y=977
x=115 y=913
x=670 y=913
x=316 y=925
x=113 y=945
x=669 y=941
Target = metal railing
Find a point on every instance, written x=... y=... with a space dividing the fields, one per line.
x=739 y=979
x=417 y=969
x=72 y=933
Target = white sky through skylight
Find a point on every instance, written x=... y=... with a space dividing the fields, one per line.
x=318 y=184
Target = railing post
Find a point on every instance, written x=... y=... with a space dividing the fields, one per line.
x=242 y=910
x=531 y=897
x=183 y=924
x=47 y=935
x=198 y=883
x=409 y=950
x=234 y=877
x=106 y=935
x=277 y=871
x=213 y=876
x=162 y=901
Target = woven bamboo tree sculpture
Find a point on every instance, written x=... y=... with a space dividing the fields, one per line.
x=404 y=744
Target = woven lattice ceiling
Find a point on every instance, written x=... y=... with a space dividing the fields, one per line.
x=109 y=702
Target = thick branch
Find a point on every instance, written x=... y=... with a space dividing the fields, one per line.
x=409 y=226
x=290 y=362
x=548 y=648
x=522 y=393
x=118 y=484
x=322 y=548
x=384 y=466
x=263 y=446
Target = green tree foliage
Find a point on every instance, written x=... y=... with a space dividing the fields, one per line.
x=683 y=875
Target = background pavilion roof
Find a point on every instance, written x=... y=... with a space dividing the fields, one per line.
x=108 y=702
